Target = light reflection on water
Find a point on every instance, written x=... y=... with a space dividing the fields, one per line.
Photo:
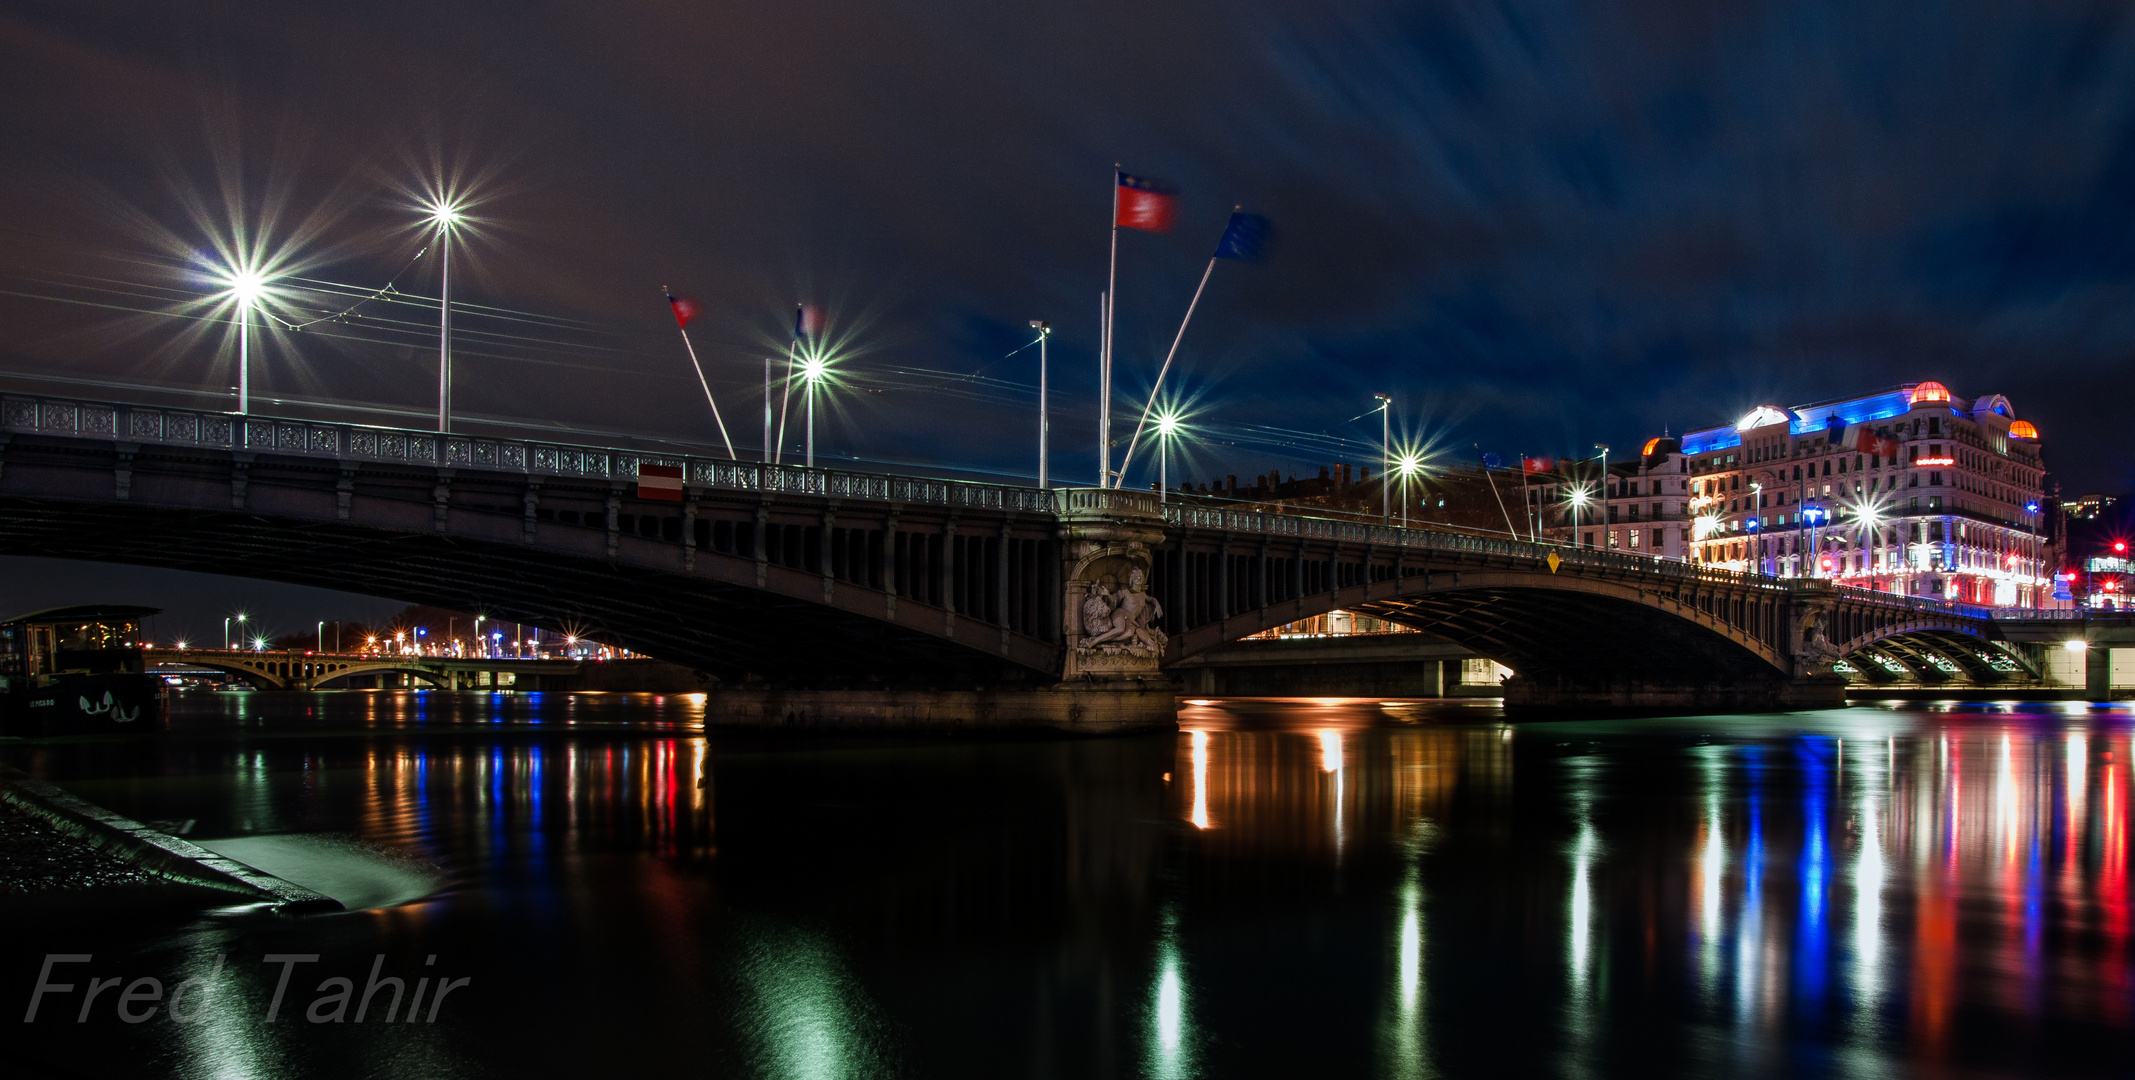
x=1280 y=889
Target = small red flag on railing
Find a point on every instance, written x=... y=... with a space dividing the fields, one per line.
x=663 y=482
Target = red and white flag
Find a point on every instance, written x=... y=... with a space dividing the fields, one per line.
x=1863 y=439
x=662 y=482
x=685 y=309
x=1145 y=204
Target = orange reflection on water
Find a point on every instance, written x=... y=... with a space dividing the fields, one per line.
x=1311 y=782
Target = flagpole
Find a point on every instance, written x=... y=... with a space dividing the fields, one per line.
x=808 y=396
x=1128 y=457
x=1104 y=335
x=767 y=410
x=785 y=395
x=706 y=385
x=1104 y=368
x=1492 y=481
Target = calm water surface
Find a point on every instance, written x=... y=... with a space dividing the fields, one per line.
x=1280 y=889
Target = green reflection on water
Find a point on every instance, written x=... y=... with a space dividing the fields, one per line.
x=1170 y=1049
x=809 y=1018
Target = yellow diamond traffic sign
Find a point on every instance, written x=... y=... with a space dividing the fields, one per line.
x=1554 y=561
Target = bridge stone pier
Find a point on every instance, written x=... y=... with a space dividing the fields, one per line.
x=828 y=598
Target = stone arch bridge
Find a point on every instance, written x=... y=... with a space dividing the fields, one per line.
x=784 y=581
x=281 y=670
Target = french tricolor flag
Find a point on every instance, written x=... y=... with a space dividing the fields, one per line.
x=662 y=482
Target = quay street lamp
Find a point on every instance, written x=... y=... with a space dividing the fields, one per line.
x=1579 y=498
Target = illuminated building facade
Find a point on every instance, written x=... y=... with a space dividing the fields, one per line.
x=1637 y=507
x=1913 y=491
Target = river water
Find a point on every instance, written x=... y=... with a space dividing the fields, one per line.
x=1282 y=889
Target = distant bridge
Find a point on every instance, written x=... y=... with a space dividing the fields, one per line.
x=826 y=580
x=283 y=670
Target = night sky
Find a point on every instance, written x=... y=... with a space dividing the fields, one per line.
x=1540 y=226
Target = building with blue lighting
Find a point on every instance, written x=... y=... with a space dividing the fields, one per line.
x=1912 y=490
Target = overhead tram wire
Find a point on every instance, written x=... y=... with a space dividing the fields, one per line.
x=387 y=330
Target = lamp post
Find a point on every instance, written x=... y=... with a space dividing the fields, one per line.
x=1167 y=428
x=322 y=635
x=1045 y=332
x=481 y=642
x=812 y=371
x=1602 y=518
x=1814 y=516
x=245 y=285
x=1386 y=457
x=444 y=214
x=1579 y=498
x=1408 y=466
x=1757 y=508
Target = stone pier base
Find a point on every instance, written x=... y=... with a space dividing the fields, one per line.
x=1088 y=708
x=1777 y=695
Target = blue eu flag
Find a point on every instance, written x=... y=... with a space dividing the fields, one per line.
x=1245 y=239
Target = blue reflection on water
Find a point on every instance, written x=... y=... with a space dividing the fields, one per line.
x=1810 y=950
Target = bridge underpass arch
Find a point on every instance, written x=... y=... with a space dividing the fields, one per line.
x=1563 y=628
x=1936 y=654
x=711 y=616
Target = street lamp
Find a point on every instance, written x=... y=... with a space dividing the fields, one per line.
x=813 y=369
x=446 y=213
x=1045 y=332
x=245 y=285
x=1815 y=517
x=1757 y=508
x=1386 y=454
x=1408 y=466
x=1579 y=498
x=1601 y=518
x=1167 y=428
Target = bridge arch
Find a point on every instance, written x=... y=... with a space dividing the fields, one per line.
x=844 y=580
x=1934 y=651
x=277 y=671
x=1551 y=625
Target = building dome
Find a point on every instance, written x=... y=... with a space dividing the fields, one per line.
x=2023 y=429
x=1763 y=416
x=1929 y=391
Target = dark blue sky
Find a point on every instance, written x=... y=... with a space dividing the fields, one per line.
x=1540 y=225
